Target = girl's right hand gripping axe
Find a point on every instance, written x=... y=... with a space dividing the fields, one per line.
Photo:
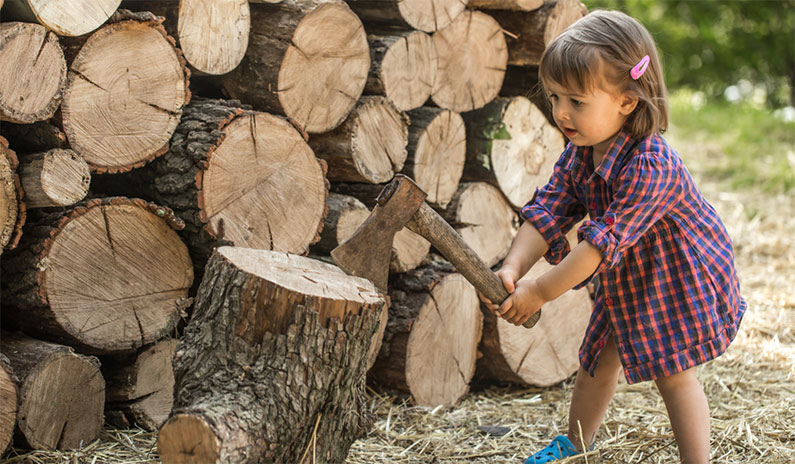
x=402 y=204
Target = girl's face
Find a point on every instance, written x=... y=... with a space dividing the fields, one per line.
x=590 y=118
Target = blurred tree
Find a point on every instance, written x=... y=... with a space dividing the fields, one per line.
x=710 y=45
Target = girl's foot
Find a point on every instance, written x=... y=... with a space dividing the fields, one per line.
x=561 y=447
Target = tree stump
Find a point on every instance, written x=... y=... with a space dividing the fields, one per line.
x=64 y=17
x=140 y=388
x=484 y=219
x=512 y=146
x=472 y=57
x=530 y=32
x=295 y=42
x=125 y=93
x=272 y=362
x=30 y=54
x=12 y=209
x=106 y=276
x=543 y=355
x=61 y=393
x=430 y=342
x=9 y=395
x=54 y=178
x=403 y=68
x=424 y=15
x=370 y=146
x=436 y=152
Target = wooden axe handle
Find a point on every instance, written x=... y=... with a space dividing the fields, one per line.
x=444 y=238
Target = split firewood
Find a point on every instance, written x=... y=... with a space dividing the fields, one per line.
x=12 y=208
x=515 y=5
x=31 y=55
x=403 y=68
x=32 y=138
x=436 y=152
x=106 y=276
x=125 y=93
x=370 y=146
x=307 y=59
x=9 y=395
x=484 y=219
x=61 y=393
x=511 y=145
x=472 y=57
x=424 y=15
x=347 y=213
x=64 y=17
x=272 y=364
x=530 y=32
x=54 y=178
x=430 y=344
x=241 y=176
x=140 y=388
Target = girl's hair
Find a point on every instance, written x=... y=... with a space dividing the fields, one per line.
x=605 y=46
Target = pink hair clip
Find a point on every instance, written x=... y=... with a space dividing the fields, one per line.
x=640 y=68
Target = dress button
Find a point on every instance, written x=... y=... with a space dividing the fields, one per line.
x=609 y=301
x=609 y=220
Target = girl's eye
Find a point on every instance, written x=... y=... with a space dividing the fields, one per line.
x=552 y=97
x=576 y=102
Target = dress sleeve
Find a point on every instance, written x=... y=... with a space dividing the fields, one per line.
x=555 y=208
x=648 y=188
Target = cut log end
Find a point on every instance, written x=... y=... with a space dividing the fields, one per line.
x=11 y=211
x=432 y=15
x=8 y=401
x=54 y=178
x=214 y=35
x=408 y=70
x=439 y=157
x=188 y=439
x=380 y=135
x=65 y=17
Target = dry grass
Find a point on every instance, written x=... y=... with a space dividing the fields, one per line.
x=750 y=388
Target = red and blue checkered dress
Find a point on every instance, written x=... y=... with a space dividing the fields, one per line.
x=668 y=289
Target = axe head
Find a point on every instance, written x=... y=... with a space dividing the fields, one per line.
x=368 y=251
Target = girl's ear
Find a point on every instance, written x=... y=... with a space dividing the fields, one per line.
x=628 y=104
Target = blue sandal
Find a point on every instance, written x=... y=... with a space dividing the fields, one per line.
x=561 y=447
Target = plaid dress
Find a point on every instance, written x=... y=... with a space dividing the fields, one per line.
x=668 y=289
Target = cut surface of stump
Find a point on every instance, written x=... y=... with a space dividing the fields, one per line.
x=511 y=145
x=64 y=17
x=61 y=393
x=31 y=55
x=516 y=5
x=109 y=275
x=8 y=400
x=12 y=211
x=124 y=95
x=484 y=219
x=424 y=15
x=54 y=178
x=272 y=362
x=404 y=68
x=214 y=35
x=437 y=152
x=430 y=343
x=472 y=56
x=370 y=146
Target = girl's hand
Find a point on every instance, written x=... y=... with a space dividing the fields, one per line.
x=508 y=276
x=525 y=301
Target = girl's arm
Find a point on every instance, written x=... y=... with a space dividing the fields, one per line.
x=527 y=247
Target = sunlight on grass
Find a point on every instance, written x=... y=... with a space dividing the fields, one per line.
x=743 y=145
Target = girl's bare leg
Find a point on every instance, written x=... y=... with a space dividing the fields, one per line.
x=592 y=395
x=689 y=414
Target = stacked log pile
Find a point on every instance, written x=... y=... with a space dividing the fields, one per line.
x=165 y=156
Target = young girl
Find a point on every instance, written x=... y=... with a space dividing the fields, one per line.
x=668 y=297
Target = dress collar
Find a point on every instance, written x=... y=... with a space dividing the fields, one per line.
x=611 y=162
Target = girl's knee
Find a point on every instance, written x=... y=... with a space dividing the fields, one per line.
x=685 y=380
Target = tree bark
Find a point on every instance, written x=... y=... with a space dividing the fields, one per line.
x=431 y=339
x=9 y=395
x=297 y=41
x=472 y=59
x=370 y=146
x=106 y=276
x=403 y=68
x=512 y=146
x=484 y=219
x=60 y=393
x=541 y=356
x=436 y=152
x=54 y=178
x=30 y=53
x=125 y=93
x=530 y=32
x=424 y=15
x=64 y=17
x=514 y=5
x=12 y=208
x=140 y=388
x=272 y=362
x=35 y=137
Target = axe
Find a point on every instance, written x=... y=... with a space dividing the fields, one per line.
x=402 y=203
